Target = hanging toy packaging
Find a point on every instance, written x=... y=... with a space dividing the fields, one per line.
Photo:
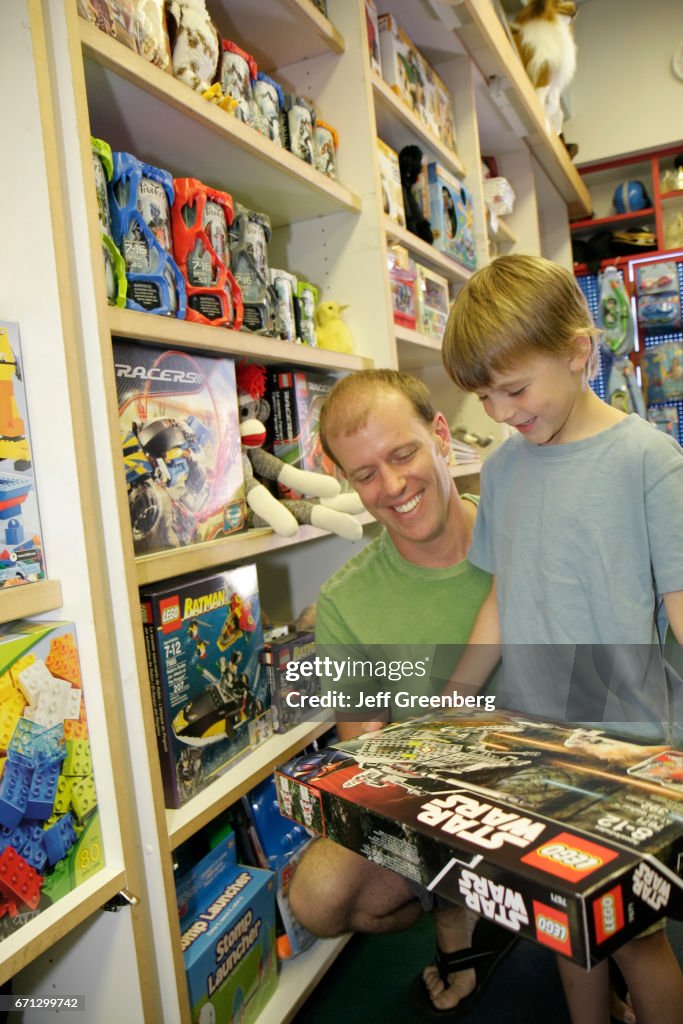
x=201 y=219
x=249 y=237
x=140 y=198
x=614 y=315
x=237 y=76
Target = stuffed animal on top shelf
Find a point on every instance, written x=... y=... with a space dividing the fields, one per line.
x=327 y=509
x=195 y=43
x=330 y=330
x=545 y=40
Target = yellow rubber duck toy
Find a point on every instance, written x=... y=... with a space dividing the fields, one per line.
x=331 y=331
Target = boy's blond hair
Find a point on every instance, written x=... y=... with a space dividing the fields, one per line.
x=512 y=308
x=348 y=404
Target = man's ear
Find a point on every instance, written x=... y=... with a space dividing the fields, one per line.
x=442 y=432
x=581 y=350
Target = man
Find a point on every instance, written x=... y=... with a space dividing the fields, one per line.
x=410 y=585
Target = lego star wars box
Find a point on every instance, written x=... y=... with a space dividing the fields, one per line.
x=296 y=398
x=227 y=931
x=568 y=836
x=286 y=685
x=203 y=639
x=50 y=837
x=181 y=446
x=21 y=546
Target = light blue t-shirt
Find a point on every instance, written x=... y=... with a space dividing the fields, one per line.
x=582 y=537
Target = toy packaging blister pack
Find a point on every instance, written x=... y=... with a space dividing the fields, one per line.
x=325 y=145
x=268 y=104
x=450 y=214
x=140 y=201
x=433 y=302
x=284 y=284
x=662 y=367
x=50 y=839
x=21 y=545
x=298 y=119
x=227 y=931
x=249 y=235
x=278 y=652
x=181 y=446
x=566 y=836
x=204 y=639
x=665 y=418
x=114 y=267
x=238 y=73
x=201 y=218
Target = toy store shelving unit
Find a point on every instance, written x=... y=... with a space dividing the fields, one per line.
x=333 y=233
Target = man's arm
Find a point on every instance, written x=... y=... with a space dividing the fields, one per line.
x=673 y=605
x=482 y=653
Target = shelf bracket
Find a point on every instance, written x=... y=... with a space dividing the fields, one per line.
x=120 y=900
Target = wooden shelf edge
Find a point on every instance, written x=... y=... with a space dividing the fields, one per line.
x=450 y=160
x=616 y=218
x=53 y=923
x=183 y=822
x=465 y=469
x=426 y=253
x=30 y=599
x=323 y=27
x=298 y=977
x=115 y=57
x=163 y=330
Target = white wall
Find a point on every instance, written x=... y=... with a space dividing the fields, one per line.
x=625 y=97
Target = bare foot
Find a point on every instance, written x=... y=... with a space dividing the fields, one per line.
x=454 y=928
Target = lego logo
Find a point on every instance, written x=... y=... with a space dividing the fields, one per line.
x=579 y=860
x=609 y=914
x=170 y=615
x=553 y=929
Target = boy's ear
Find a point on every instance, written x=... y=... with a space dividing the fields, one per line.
x=581 y=350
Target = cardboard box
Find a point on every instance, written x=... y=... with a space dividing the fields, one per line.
x=296 y=398
x=51 y=834
x=401 y=64
x=204 y=639
x=372 y=25
x=181 y=446
x=450 y=214
x=21 y=545
x=390 y=179
x=227 y=931
x=570 y=837
x=277 y=654
x=433 y=302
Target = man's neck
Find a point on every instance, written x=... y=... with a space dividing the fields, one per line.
x=451 y=545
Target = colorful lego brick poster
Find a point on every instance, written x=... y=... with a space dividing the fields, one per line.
x=21 y=546
x=181 y=446
x=50 y=838
x=211 y=702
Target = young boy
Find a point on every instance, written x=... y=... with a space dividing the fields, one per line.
x=580 y=523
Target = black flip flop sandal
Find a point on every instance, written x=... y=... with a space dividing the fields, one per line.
x=489 y=945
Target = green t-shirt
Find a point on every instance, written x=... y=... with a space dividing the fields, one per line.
x=380 y=607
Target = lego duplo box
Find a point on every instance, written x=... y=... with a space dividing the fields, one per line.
x=451 y=217
x=567 y=836
x=280 y=657
x=181 y=445
x=227 y=931
x=203 y=638
x=296 y=398
x=21 y=546
x=50 y=837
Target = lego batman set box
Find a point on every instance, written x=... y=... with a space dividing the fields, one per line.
x=203 y=639
x=181 y=446
x=571 y=837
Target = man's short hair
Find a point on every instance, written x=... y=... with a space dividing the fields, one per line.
x=515 y=307
x=348 y=404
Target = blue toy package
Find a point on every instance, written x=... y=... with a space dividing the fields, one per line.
x=659 y=310
x=283 y=842
x=140 y=201
x=450 y=215
x=662 y=367
x=227 y=930
x=268 y=101
x=211 y=703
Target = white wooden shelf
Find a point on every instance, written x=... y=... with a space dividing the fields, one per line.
x=494 y=54
x=30 y=599
x=216 y=553
x=298 y=977
x=425 y=253
x=168 y=331
x=295 y=30
x=503 y=235
x=415 y=350
x=246 y=773
x=398 y=126
x=138 y=108
x=466 y=469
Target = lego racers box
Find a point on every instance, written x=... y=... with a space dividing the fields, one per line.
x=181 y=446
x=203 y=638
x=568 y=836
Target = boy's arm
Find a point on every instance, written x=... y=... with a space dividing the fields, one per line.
x=673 y=605
x=482 y=653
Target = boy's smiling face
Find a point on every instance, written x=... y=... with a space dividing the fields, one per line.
x=541 y=397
